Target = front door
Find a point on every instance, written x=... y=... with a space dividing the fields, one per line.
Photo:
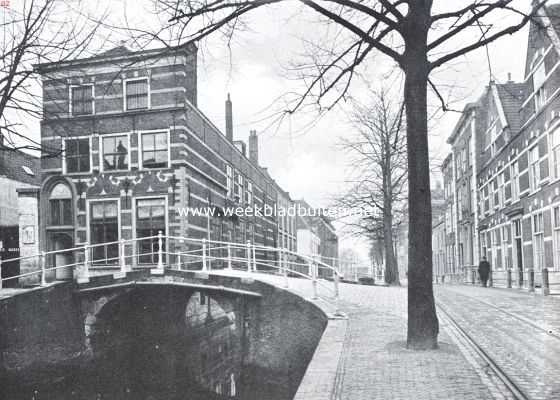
x=9 y=248
x=62 y=260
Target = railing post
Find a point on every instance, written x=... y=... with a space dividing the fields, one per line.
x=531 y=280
x=204 y=266
x=336 y=279
x=123 y=258
x=85 y=276
x=313 y=278
x=508 y=278
x=43 y=269
x=160 y=250
x=285 y=267
x=229 y=256
x=179 y=259
x=545 y=284
x=248 y=256
x=254 y=259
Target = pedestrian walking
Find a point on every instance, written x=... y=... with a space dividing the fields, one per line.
x=484 y=271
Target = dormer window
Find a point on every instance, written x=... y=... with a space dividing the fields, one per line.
x=81 y=100
x=136 y=94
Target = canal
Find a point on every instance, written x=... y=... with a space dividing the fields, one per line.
x=161 y=343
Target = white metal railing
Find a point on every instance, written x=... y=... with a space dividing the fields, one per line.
x=180 y=253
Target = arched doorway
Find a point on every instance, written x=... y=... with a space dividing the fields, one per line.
x=60 y=229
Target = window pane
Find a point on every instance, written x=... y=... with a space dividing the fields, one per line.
x=55 y=212
x=84 y=163
x=161 y=141
x=71 y=148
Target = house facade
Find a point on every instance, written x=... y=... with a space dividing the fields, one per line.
x=20 y=177
x=135 y=152
x=516 y=133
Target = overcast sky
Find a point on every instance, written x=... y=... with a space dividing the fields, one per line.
x=310 y=165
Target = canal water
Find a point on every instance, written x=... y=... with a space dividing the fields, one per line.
x=144 y=347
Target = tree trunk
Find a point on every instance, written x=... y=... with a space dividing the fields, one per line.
x=391 y=271
x=423 y=326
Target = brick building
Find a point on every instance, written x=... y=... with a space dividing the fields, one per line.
x=19 y=179
x=135 y=149
x=517 y=153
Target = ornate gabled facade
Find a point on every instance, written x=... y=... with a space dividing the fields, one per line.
x=134 y=150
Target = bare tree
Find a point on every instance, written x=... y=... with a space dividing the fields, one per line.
x=34 y=31
x=419 y=39
x=378 y=157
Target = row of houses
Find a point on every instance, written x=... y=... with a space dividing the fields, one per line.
x=502 y=177
x=125 y=148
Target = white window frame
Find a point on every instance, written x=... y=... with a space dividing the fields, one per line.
x=230 y=176
x=556 y=237
x=102 y=151
x=554 y=150
x=538 y=238
x=534 y=169
x=501 y=189
x=70 y=87
x=134 y=212
x=538 y=87
x=249 y=190
x=514 y=172
x=506 y=242
x=140 y=78
x=140 y=147
x=88 y=229
x=64 y=169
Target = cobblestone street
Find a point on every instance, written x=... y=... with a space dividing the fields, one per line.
x=518 y=330
x=374 y=363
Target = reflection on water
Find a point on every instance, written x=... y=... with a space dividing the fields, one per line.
x=152 y=346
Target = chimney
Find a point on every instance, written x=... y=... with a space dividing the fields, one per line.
x=229 y=120
x=509 y=77
x=254 y=147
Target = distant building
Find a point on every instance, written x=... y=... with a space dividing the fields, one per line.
x=317 y=237
x=513 y=214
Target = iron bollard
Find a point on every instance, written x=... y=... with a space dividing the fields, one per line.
x=508 y=276
x=473 y=276
x=490 y=278
x=531 y=280
x=545 y=284
x=520 y=279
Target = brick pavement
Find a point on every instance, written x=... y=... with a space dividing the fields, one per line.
x=365 y=356
x=523 y=340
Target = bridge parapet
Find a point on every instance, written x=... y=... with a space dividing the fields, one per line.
x=157 y=255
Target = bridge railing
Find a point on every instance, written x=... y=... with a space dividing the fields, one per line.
x=160 y=252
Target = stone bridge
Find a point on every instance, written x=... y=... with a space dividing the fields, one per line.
x=124 y=335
